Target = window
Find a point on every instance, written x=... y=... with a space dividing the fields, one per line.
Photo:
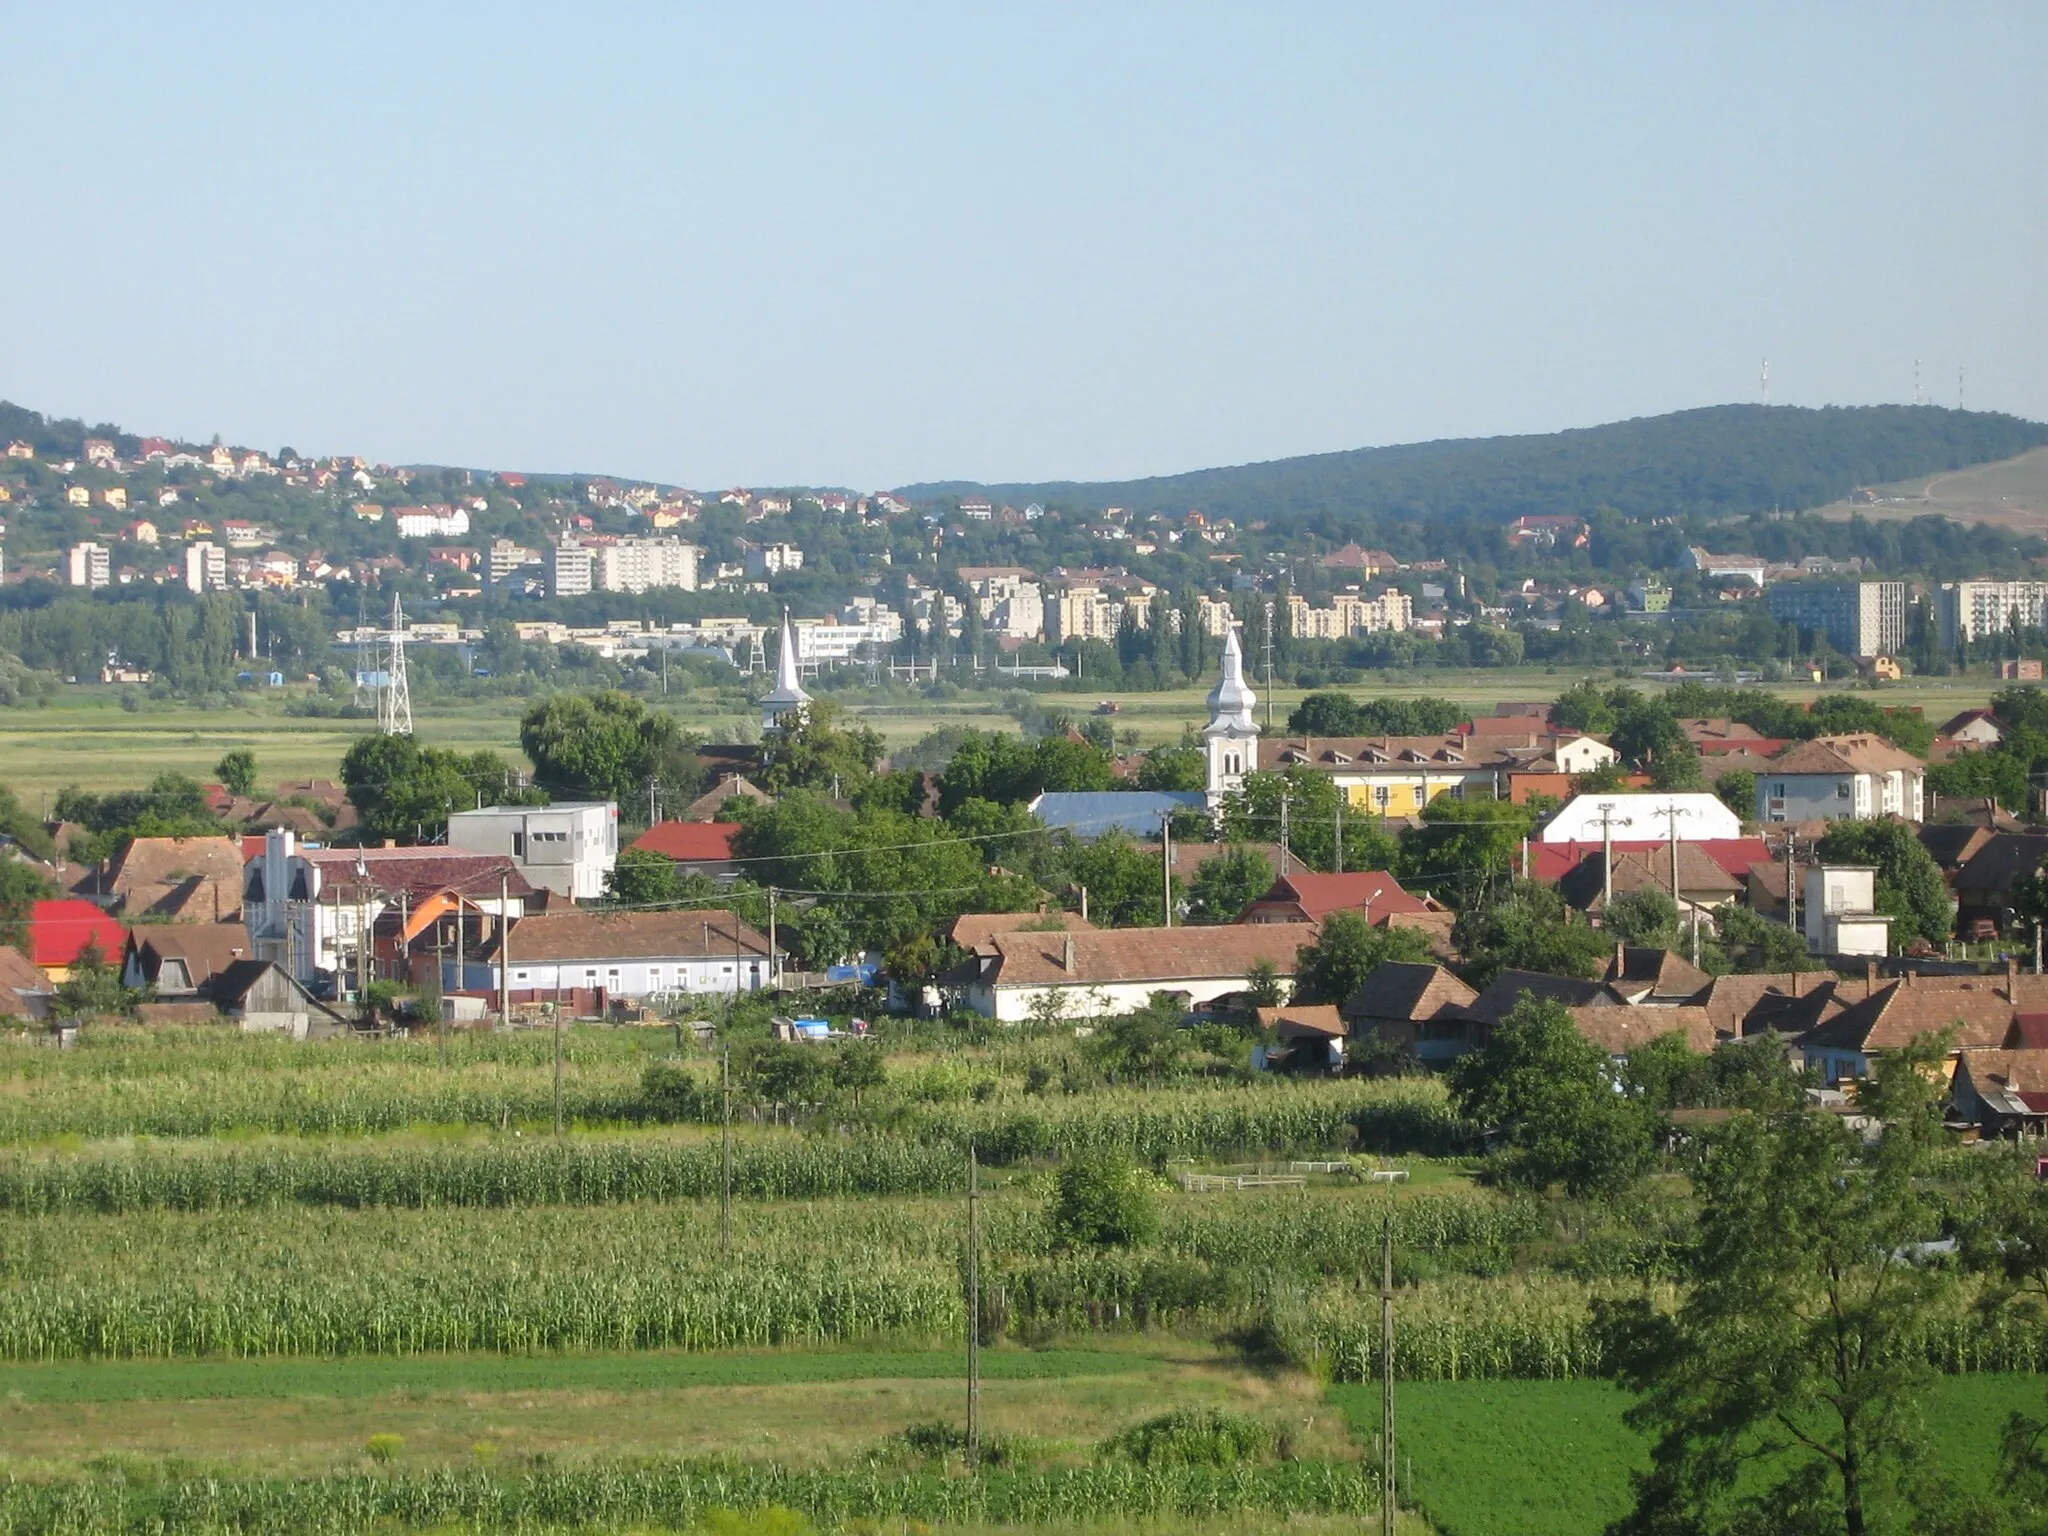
x=518 y=845
x=1842 y=790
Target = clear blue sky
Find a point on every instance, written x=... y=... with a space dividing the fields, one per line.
x=869 y=244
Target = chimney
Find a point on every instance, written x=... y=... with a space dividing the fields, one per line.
x=2012 y=979
x=1870 y=978
x=1620 y=953
x=1068 y=963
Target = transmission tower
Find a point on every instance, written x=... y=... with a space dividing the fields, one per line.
x=1764 y=382
x=394 y=705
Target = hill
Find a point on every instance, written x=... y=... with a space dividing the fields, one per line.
x=2011 y=494
x=1724 y=460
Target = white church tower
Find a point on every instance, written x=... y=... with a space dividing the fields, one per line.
x=788 y=696
x=1232 y=733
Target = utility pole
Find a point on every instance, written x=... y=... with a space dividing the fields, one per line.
x=1337 y=868
x=973 y=1309
x=771 y=938
x=1166 y=865
x=1387 y=1464
x=1269 y=680
x=1608 y=821
x=725 y=1154
x=1283 y=828
x=504 y=951
x=1791 y=885
x=558 y=1063
x=654 y=785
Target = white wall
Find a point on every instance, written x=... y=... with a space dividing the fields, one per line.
x=1012 y=1004
x=1699 y=818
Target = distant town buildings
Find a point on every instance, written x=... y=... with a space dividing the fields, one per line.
x=88 y=565
x=1859 y=618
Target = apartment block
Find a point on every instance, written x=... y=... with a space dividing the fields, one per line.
x=1084 y=613
x=570 y=569
x=1859 y=618
x=640 y=565
x=206 y=567
x=88 y=565
x=1350 y=614
x=1970 y=610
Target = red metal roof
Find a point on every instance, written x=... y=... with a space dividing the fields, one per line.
x=60 y=929
x=689 y=841
x=1551 y=862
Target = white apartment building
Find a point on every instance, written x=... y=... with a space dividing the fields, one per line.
x=504 y=557
x=1970 y=610
x=88 y=565
x=931 y=608
x=887 y=622
x=570 y=568
x=569 y=847
x=435 y=522
x=1213 y=616
x=640 y=565
x=1008 y=598
x=773 y=559
x=823 y=640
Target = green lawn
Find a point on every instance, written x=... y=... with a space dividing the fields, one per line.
x=1553 y=1458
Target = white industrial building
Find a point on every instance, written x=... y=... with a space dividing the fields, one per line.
x=569 y=847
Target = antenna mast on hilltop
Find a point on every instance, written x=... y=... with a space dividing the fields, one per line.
x=1959 y=389
x=1764 y=382
x=394 y=704
x=1918 y=397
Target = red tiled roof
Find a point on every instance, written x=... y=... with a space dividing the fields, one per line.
x=60 y=929
x=973 y=930
x=1317 y=896
x=1161 y=955
x=417 y=871
x=689 y=841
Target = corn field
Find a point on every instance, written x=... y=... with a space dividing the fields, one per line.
x=497 y=1172
x=669 y=1496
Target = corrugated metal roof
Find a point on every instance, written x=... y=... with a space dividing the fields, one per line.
x=1091 y=813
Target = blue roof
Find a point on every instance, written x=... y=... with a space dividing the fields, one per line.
x=1090 y=813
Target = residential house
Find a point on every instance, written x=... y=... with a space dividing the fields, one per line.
x=1100 y=974
x=1418 y=1008
x=25 y=987
x=178 y=879
x=584 y=962
x=699 y=847
x=730 y=786
x=1974 y=727
x=976 y=930
x=179 y=959
x=1840 y=911
x=60 y=930
x=1307 y=897
x=1836 y=778
x=1983 y=887
x=1702 y=882
x=569 y=847
x=1653 y=978
x=2001 y=1092
x=1978 y=1009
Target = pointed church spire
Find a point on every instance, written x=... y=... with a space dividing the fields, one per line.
x=788 y=696
x=1231 y=701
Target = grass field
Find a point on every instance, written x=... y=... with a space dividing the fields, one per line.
x=807 y=1409
x=85 y=739
x=1553 y=1458
x=2011 y=494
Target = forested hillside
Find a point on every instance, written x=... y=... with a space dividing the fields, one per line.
x=1724 y=460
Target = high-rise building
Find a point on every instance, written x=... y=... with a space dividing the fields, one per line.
x=1859 y=618
x=1084 y=613
x=88 y=565
x=570 y=567
x=1970 y=610
x=639 y=565
x=206 y=567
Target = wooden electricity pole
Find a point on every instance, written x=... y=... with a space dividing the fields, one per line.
x=558 y=1067
x=1387 y=1464
x=973 y=1310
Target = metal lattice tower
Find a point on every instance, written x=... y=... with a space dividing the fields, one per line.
x=394 y=704
x=362 y=646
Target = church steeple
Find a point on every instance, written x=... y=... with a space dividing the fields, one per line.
x=788 y=696
x=1232 y=734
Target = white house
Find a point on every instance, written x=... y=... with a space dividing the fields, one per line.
x=569 y=847
x=1841 y=778
x=1027 y=975
x=1841 y=915
x=587 y=960
x=1696 y=818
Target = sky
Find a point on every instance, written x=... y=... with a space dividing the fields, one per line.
x=871 y=244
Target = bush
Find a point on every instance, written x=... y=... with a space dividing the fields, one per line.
x=382 y=1448
x=1102 y=1202
x=1196 y=1437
